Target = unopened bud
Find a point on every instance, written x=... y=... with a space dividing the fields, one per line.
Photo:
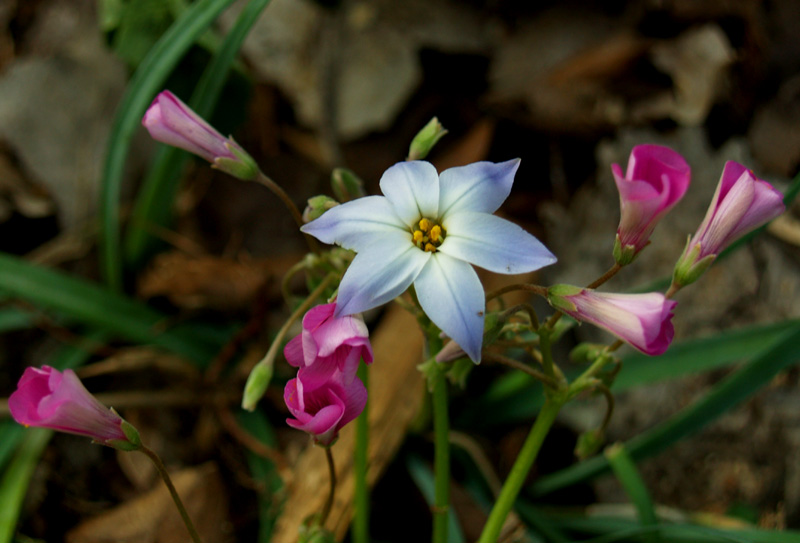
x=346 y=185
x=317 y=205
x=425 y=139
x=256 y=385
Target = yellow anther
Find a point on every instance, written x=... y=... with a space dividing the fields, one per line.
x=430 y=248
x=436 y=233
x=418 y=235
x=424 y=225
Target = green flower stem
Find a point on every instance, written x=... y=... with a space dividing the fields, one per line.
x=361 y=499
x=162 y=471
x=522 y=465
x=547 y=354
x=441 y=429
x=298 y=218
x=331 y=490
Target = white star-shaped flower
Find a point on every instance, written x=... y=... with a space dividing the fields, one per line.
x=427 y=229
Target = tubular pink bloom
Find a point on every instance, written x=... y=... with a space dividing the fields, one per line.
x=48 y=398
x=328 y=344
x=741 y=204
x=643 y=320
x=323 y=411
x=657 y=178
x=172 y=122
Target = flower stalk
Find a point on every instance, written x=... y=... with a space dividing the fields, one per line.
x=360 y=527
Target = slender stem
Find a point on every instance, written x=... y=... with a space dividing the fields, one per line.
x=605 y=277
x=673 y=289
x=441 y=428
x=538 y=289
x=527 y=308
x=519 y=471
x=547 y=355
x=332 y=490
x=517 y=365
x=162 y=470
x=360 y=458
x=298 y=218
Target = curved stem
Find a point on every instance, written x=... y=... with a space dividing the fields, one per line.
x=605 y=277
x=360 y=461
x=519 y=471
x=298 y=218
x=537 y=289
x=517 y=365
x=162 y=471
x=332 y=489
x=441 y=428
x=527 y=308
x=673 y=289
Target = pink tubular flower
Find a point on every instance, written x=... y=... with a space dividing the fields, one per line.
x=328 y=344
x=657 y=178
x=741 y=204
x=323 y=411
x=172 y=122
x=643 y=320
x=48 y=398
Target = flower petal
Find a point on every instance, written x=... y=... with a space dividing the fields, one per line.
x=481 y=186
x=451 y=294
x=354 y=225
x=413 y=190
x=493 y=243
x=293 y=351
x=379 y=273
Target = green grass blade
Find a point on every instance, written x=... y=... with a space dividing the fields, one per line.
x=155 y=200
x=625 y=469
x=15 y=481
x=12 y=318
x=423 y=477
x=727 y=394
x=101 y=308
x=147 y=80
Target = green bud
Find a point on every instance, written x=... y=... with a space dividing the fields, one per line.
x=317 y=205
x=242 y=167
x=459 y=372
x=624 y=255
x=425 y=139
x=589 y=443
x=346 y=185
x=256 y=386
x=431 y=370
x=585 y=353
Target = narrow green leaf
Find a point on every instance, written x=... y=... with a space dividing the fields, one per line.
x=724 y=396
x=625 y=469
x=12 y=318
x=15 y=481
x=102 y=309
x=147 y=80
x=156 y=197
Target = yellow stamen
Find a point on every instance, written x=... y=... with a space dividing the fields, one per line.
x=418 y=235
x=424 y=224
x=430 y=248
x=436 y=233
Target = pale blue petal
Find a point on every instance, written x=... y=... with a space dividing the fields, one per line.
x=356 y=224
x=451 y=294
x=493 y=243
x=413 y=190
x=481 y=186
x=379 y=273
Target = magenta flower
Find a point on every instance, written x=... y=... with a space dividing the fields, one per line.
x=48 y=398
x=657 y=178
x=323 y=411
x=741 y=204
x=328 y=344
x=643 y=320
x=172 y=122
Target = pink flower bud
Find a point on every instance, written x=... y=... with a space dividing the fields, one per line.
x=48 y=398
x=643 y=320
x=657 y=178
x=172 y=122
x=323 y=411
x=328 y=344
x=741 y=204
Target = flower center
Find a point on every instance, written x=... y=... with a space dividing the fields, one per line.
x=428 y=235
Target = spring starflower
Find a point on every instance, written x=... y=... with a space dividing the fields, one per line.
x=426 y=230
x=328 y=344
x=171 y=121
x=48 y=398
x=656 y=179
x=643 y=320
x=742 y=203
